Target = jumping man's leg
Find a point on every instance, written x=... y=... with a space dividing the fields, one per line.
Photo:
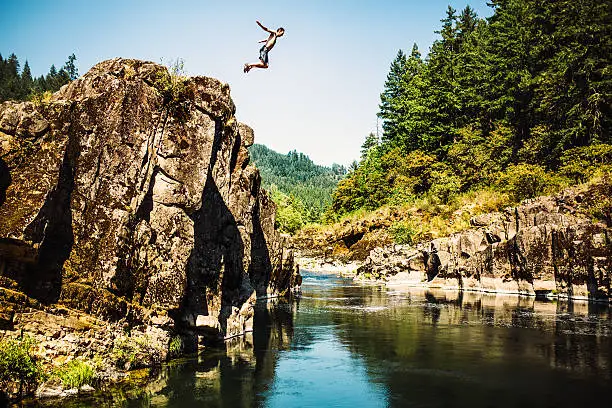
x=248 y=67
x=263 y=58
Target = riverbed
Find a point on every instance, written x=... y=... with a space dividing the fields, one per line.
x=347 y=345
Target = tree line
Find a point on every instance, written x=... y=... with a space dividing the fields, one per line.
x=17 y=83
x=520 y=101
x=300 y=188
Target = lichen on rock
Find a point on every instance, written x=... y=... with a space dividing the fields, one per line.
x=115 y=205
x=547 y=246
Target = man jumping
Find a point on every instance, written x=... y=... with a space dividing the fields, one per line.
x=263 y=52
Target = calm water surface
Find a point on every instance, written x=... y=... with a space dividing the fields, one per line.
x=344 y=345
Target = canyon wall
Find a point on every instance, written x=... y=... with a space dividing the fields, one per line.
x=128 y=198
x=549 y=246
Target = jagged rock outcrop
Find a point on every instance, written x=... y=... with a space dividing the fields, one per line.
x=348 y=241
x=544 y=246
x=129 y=197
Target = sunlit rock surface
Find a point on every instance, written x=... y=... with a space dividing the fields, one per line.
x=544 y=246
x=128 y=197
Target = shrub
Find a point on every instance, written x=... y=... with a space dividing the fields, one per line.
x=444 y=185
x=18 y=364
x=487 y=200
x=541 y=147
x=404 y=232
x=598 y=202
x=581 y=163
x=135 y=351
x=411 y=172
x=476 y=157
x=176 y=346
x=41 y=98
x=524 y=181
x=75 y=374
x=172 y=85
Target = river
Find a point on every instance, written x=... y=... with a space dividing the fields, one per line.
x=347 y=345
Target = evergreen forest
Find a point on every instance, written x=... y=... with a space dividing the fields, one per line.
x=300 y=188
x=17 y=83
x=519 y=103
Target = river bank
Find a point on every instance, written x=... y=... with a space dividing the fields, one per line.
x=347 y=344
x=326 y=265
x=558 y=246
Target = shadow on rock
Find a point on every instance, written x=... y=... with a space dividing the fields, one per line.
x=260 y=268
x=5 y=180
x=215 y=270
x=52 y=228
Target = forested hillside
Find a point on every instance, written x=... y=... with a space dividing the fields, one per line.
x=301 y=189
x=519 y=103
x=17 y=83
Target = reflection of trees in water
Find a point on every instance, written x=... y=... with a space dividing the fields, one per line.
x=423 y=336
x=579 y=343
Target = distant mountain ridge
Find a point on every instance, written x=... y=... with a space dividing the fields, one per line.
x=295 y=174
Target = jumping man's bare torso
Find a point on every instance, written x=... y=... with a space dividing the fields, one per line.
x=268 y=45
x=270 y=41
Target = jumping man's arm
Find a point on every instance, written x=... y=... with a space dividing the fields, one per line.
x=264 y=27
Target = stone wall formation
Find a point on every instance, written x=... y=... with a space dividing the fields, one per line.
x=128 y=199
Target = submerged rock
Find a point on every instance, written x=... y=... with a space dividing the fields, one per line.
x=129 y=197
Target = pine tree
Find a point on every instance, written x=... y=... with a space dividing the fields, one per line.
x=471 y=63
x=56 y=79
x=573 y=98
x=510 y=67
x=16 y=85
x=413 y=125
x=51 y=79
x=369 y=143
x=390 y=98
x=466 y=24
x=442 y=90
x=2 y=78
x=12 y=83
x=13 y=65
x=71 y=69
x=26 y=80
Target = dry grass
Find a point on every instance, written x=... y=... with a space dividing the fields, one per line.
x=426 y=218
x=422 y=219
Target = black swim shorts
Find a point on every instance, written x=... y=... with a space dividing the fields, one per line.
x=263 y=54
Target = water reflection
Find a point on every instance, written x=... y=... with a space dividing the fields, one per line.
x=433 y=348
x=348 y=345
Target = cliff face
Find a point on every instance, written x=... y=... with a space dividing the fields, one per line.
x=544 y=246
x=129 y=196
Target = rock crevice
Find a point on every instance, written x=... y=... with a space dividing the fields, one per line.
x=116 y=205
x=541 y=247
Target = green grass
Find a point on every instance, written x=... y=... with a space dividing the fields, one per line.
x=75 y=374
x=176 y=346
x=131 y=352
x=18 y=363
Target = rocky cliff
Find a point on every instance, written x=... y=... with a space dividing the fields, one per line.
x=549 y=246
x=128 y=198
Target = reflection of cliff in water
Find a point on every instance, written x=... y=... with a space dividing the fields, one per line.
x=235 y=376
x=464 y=342
x=221 y=378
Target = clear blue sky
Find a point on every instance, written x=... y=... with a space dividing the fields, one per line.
x=321 y=93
